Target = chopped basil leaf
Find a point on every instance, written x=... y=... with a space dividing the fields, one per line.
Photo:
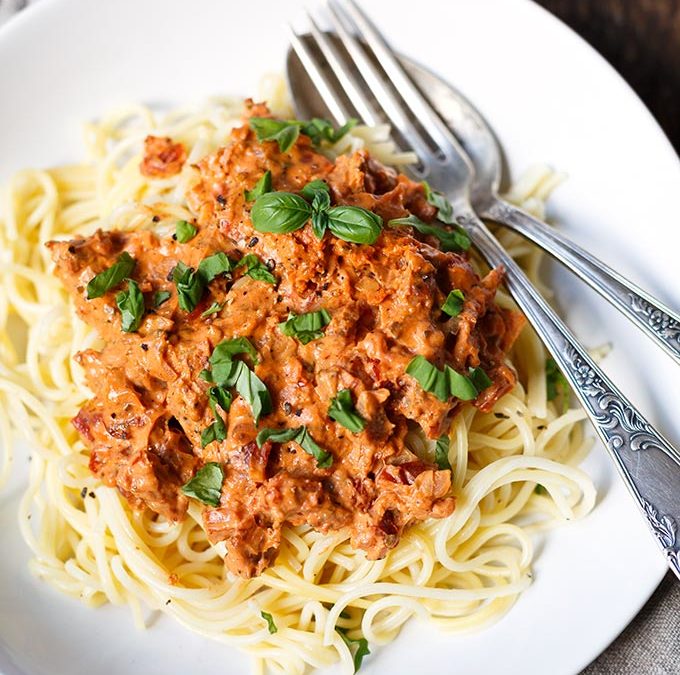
x=310 y=190
x=480 y=379
x=540 y=490
x=184 y=231
x=131 y=306
x=213 y=309
x=285 y=133
x=219 y=396
x=190 y=286
x=110 y=277
x=159 y=297
x=442 y=383
x=306 y=327
x=354 y=224
x=320 y=130
x=342 y=410
x=443 y=205
x=302 y=437
x=216 y=431
x=271 y=626
x=556 y=383
x=253 y=390
x=226 y=350
x=262 y=186
x=214 y=265
x=256 y=269
x=206 y=485
x=441 y=452
x=280 y=212
x=454 y=303
x=358 y=648
x=456 y=239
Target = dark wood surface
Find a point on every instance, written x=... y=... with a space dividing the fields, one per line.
x=641 y=39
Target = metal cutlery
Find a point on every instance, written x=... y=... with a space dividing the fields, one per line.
x=648 y=464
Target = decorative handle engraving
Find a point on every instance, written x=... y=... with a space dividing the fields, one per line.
x=655 y=319
x=648 y=464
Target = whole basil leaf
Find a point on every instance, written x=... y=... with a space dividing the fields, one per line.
x=342 y=410
x=262 y=186
x=354 y=224
x=306 y=327
x=190 y=286
x=110 y=277
x=131 y=306
x=455 y=239
x=280 y=212
x=206 y=485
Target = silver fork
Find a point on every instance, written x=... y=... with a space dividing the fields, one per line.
x=648 y=464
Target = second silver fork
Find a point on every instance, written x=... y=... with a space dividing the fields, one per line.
x=646 y=461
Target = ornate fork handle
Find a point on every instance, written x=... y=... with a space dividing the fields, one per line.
x=647 y=462
x=652 y=317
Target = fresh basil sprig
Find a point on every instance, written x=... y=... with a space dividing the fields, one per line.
x=302 y=437
x=256 y=269
x=227 y=372
x=284 y=212
x=441 y=452
x=286 y=132
x=271 y=625
x=190 y=284
x=260 y=188
x=111 y=277
x=184 y=231
x=131 y=306
x=305 y=327
x=358 y=648
x=455 y=239
x=342 y=410
x=447 y=382
x=453 y=305
x=442 y=204
x=206 y=485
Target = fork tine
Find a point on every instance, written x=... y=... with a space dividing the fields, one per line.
x=411 y=96
x=313 y=68
x=392 y=107
x=347 y=80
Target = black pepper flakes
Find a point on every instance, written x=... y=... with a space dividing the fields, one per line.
x=541 y=427
x=221 y=200
x=252 y=242
x=298 y=412
x=287 y=408
x=271 y=264
x=83 y=493
x=501 y=416
x=92 y=495
x=156 y=219
x=169 y=276
x=145 y=346
x=167 y=602
x=71 y=249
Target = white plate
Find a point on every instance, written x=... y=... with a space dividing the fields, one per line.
x=550 y=98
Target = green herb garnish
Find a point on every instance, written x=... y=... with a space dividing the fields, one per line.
x=256 y=269
x=540 y=490
x=443 y=205
x=184 y=231
x=480 y=379
x=286 y=132
x=190 y=286
x=556 y=383
x=441 y=452
x=131 y=306
x=260 y=188
x=206 y=485
x=111 y=277
x=313 y=188
x=159 y=297
x=214 y=265
x=271 y=626
x=358 y=648
x=342 y=410
x=454 y=303
x=352 y=223
x=217 y=431
x=302 y=437
x=442 y=383
x=213 y=309
x=456 y=239
x=306 y=327
x=280 y=212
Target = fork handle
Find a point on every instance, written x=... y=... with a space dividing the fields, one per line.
x=648 y=464
x=646 y=312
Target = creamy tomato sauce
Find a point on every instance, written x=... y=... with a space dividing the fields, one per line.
x=149 y=407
